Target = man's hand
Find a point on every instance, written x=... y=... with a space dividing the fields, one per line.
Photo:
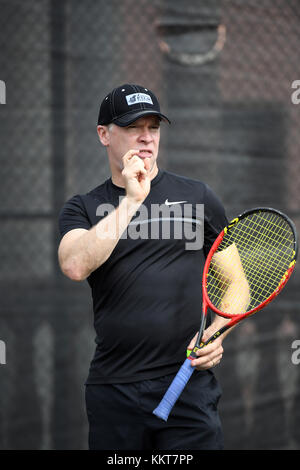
x=210 y=355
x=136 y=176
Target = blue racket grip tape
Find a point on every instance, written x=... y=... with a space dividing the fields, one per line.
x=174 y=391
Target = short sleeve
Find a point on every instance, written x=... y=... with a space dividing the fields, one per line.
x=73 y=215
x=214 y=219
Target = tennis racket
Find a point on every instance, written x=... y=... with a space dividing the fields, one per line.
x=248 y=265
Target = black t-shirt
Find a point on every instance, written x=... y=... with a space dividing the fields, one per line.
x=147 y=296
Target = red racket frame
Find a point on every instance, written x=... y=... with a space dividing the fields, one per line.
x=236 y=318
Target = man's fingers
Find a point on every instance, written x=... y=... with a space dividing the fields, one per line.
x=128 y=155
x=134 y=168
x=133 y=154
x=210 y=353
x=219 y=358
x=133 y=162
x=214 y=345
x=208 y=361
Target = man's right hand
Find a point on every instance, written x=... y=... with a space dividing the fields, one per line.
x=136 y=176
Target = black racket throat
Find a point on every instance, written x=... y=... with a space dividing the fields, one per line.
x=198 y=343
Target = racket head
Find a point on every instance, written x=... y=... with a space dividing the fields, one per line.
x=267 y=244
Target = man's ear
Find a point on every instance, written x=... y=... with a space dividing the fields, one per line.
x=103 y=134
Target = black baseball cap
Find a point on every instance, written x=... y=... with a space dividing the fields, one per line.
x=127 y=103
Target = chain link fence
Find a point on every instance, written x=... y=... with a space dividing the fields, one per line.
x=223 y=71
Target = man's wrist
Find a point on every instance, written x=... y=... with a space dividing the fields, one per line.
x=219 y=321
x=131 y=205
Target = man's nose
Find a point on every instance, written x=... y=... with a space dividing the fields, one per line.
x=145 y=136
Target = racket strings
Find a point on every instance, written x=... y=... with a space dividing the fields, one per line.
x=267 y=259
x=265 y=271
x=258 y=249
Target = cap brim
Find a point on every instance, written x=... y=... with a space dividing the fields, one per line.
x=129 y=118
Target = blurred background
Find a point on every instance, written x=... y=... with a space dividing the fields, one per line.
x=223 y=71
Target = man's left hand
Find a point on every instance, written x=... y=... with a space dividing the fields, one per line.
x=210 y=355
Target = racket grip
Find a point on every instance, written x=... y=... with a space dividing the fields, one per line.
x=174 y=391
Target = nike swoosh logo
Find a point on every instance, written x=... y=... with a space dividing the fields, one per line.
x=167 y=203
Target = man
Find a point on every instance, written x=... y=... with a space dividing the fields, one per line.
x=146 y=290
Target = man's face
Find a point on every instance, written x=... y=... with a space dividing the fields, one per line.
x=142 y=135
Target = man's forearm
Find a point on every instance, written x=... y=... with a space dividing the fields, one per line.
x=95 y=246
x=234 y=301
